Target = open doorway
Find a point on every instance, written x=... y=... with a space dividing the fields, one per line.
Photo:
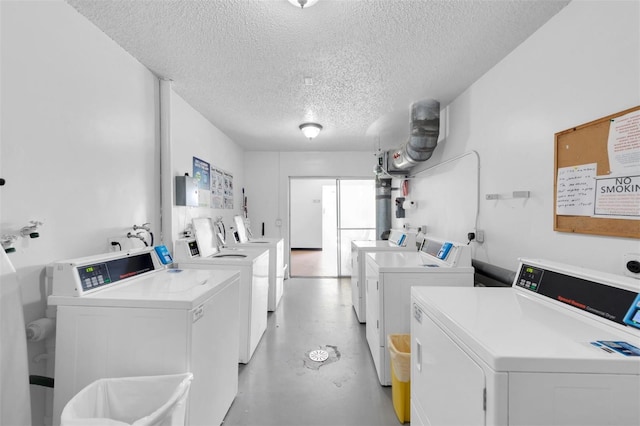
x=326 y=214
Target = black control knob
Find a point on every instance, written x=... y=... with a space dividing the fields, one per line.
x=633 y=266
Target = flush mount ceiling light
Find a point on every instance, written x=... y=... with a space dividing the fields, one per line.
x=310 y=130
x=303 y=3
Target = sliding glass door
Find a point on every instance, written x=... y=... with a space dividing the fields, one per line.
x=326 y=214
x=356 y=217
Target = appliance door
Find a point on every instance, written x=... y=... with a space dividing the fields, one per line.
x=447 y=386
x=214 y=356
x=355 y=275
x=258 y=301
x=359 y=284
x=373 y=295
x=275 y=295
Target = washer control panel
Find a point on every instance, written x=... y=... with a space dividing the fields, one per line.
x=101 y=274
x=77 y=277
x=94 y=276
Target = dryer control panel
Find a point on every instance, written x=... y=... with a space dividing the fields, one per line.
x=595 y=296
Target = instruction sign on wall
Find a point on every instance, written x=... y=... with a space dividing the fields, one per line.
x=618 y=197
x=221 y=189
x=215 y=186
x=201 y=173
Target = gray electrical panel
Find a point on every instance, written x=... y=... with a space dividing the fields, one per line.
x=186 y=191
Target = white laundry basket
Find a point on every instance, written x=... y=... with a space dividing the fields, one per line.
x=138 y=401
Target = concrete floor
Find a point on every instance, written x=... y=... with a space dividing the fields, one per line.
x=280 y=386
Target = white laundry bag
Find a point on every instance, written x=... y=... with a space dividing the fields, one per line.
x=136 y=401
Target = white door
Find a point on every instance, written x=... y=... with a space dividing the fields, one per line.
x=446 y=384
x=373 y=316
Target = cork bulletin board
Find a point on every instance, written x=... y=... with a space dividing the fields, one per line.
x=597 y=177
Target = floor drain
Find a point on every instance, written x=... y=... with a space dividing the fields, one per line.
x=319 y=355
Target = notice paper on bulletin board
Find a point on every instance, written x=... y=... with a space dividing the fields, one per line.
x=623 y=144
x=618 y=195
x=576 y=190
x=597 y=182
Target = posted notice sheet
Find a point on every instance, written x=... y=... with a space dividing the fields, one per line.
x=624 y=144
x=575 y=188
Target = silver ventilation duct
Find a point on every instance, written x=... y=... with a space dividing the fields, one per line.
x=423 y=138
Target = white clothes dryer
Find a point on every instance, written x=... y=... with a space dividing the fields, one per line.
x=125 y=314
x=398 y=240
x=253 y=266
x=390 y=276
x=560 y=347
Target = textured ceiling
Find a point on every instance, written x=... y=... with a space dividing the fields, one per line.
x=242 y=63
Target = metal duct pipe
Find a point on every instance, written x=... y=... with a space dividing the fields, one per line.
x=383 y=208
x=423 y=138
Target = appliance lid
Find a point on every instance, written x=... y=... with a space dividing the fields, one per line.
x=259 y=242
x=376 y=244
x=234 y=256
x=513 y=331
x=408 y=262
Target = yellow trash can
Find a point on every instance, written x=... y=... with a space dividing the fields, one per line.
x=400 y=351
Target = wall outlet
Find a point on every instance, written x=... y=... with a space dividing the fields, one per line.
x=479 y=236
x=632 y=265
x=118 y=244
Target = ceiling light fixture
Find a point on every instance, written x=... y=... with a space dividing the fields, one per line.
x=310 y=130
x=303 y=3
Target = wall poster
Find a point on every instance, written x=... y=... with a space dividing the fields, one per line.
x=221 y=189
x=201 y=173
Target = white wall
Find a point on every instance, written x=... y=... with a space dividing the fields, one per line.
x=78 y=145
x=306 y=212
x=446 y=198
x=267 y=181
x=582 y=65
x=192 y=135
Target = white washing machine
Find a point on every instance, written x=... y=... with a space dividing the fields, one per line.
x=125 y=314
x=253 y=266
x=275 y=246
x=560 y=347
x=390 y=276
x=398 y=240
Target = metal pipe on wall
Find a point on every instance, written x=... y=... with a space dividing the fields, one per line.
x=383 y=207
x=166 y=166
